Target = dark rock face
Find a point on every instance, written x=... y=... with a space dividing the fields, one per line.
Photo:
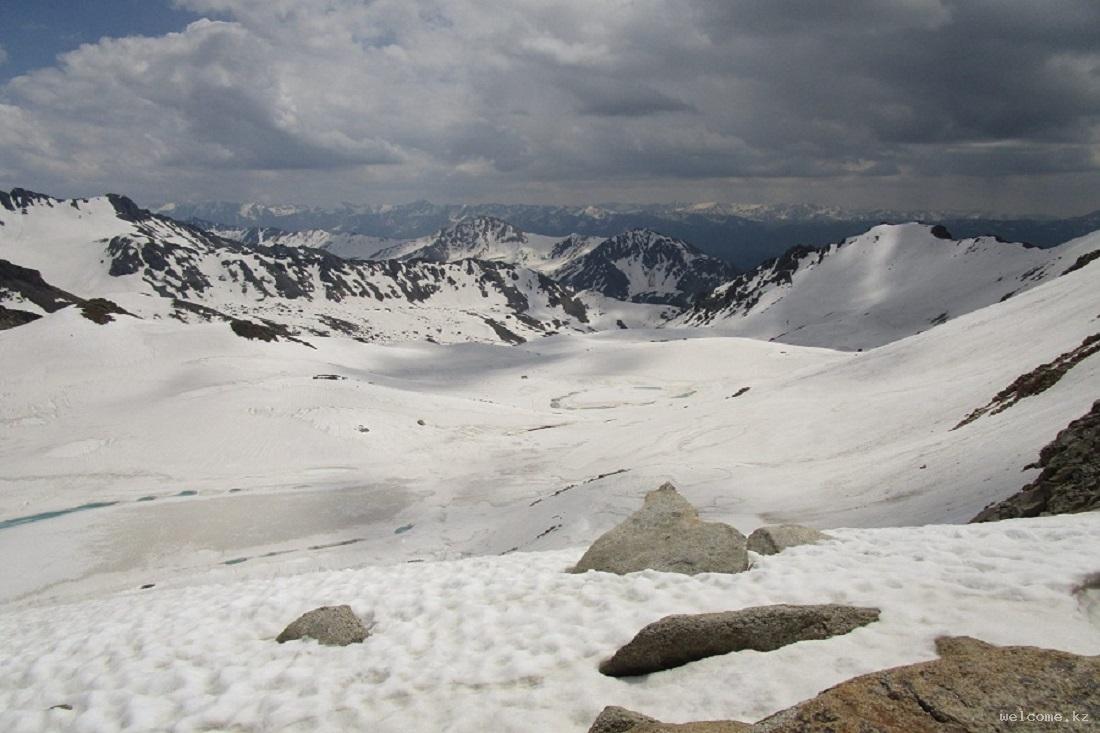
x=1070 y=479
x=940 y=232
x=666 y=534
x=329 y=625
x=967 y=690
x=102 y=311
x=13 y=317
x=614 y=719
x=676 y=640
x=29 y=285
x=665 y=258
x=20 y=198
x=1082 y=261
x=127 y=210
x=265 y=331
x=770 y=540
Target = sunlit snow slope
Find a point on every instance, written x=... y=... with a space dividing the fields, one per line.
x=892 y=282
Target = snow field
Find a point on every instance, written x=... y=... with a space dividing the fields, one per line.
x=512 y=643
x=514 y=442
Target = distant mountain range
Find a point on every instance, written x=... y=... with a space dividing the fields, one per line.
x=485 y=279
x=743 y=234
x=638 y=265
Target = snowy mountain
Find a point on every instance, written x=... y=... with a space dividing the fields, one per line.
x=640 y=266
x=645 y=267
x=891 y=282
x=158 y=267
x=482 y=237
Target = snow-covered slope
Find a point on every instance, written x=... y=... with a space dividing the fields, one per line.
x=107 y=247
x=540 y=446
x=892 y=282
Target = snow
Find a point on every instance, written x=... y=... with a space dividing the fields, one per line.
x=443 y=489
x=892 y=282
x=512 y=643
x=78 y=228
x=822 y=437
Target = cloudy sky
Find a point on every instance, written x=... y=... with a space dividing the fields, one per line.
x=967 y=104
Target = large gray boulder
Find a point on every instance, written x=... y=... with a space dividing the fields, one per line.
x=974 y=686
x=666 y=534
x=330 y=625
x=776 y=538
x=676 y=640
x=614 y=719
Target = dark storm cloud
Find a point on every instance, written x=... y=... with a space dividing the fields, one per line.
x=919 y=72
x=459 y=98
x=623 y=98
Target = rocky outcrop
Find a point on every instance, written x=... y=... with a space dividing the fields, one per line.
x=666 y=534
x=614 y=719
x=676 y=640
x=1038 y=380
x=329 y=625
x=973 y=687
x=14 y=317
x=27 y=285
x=1070 y=479
x=102 y=311
x=776 y=538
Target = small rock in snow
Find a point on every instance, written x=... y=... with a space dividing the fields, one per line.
x=776 y=538
x=330 y=625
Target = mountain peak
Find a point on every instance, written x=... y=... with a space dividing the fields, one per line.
x=126 y=209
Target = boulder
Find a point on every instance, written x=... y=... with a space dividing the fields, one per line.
x=666 y=534
x=614 y=719
x=676 y=640
x=329 y=625
x=974 y=686
x=778 y=537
